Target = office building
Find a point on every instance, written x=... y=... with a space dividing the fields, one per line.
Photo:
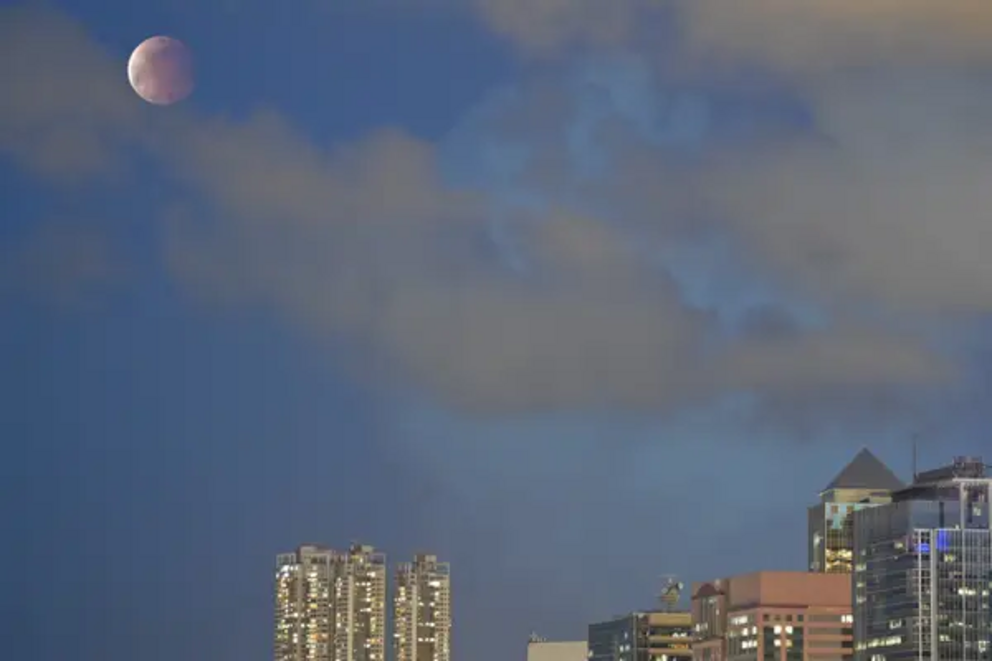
x=643 y=636
x=923 y=566
x=422 y=610
x=556 y=650
x=773 y=616
x=360 y=605
x=304 y=617
x=865 y=482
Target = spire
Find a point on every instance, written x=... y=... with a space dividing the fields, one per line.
x=866 y=471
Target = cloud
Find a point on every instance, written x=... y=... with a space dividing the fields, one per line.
x=545 y=27
x=822 y=35
x=368 y=245
x=884 y=205
x=792 y=37
x=64 y=113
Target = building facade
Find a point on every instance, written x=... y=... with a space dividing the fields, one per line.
x=360 y=603
x=923 y=569
x=865 y=482
x=773 y=616
x=330 y=605
x=557 y=650
x=304 y=604
x=642 y=636
x=422 y=610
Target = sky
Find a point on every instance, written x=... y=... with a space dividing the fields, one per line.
x=573 y=294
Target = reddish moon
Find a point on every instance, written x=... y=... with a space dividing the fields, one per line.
x=160 y=70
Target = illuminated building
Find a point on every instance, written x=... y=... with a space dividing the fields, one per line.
x=773 y=616
x=304 y=623
x=865 y=482
x=360 y=605
x=330 y=605
x=422 y=610
x=923 y=569
x=648 y=636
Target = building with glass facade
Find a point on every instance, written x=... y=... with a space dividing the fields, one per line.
x=865 y=482
x=649 y=636
x=923 y=569
x=773 y=616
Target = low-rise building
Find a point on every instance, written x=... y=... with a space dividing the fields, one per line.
x=642 y=636
x=539 y=649
x=773 y=616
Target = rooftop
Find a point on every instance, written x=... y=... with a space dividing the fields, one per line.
x=865 y=471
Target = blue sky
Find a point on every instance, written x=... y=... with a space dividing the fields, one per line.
x=573 y=295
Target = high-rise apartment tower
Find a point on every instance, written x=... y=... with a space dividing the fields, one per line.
x=330 y=605
x=422 y=610
x=360 y=604
x=304 y=604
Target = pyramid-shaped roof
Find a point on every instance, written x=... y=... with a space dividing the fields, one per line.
x=866 y=471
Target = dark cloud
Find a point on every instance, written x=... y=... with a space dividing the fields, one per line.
x=368 y=244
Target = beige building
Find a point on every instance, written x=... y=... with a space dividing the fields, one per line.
x=558 y=650
x=642 y=636
x=773 y=616
x=360 y=602
x=304 y=617
x=330 y=605
x=422 y=610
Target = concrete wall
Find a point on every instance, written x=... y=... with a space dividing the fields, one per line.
x=773 y=588
x=557 y=651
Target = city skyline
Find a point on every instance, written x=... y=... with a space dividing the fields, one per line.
x=568 y=293
x=903 y=576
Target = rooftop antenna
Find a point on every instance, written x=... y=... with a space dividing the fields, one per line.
x=671 y=592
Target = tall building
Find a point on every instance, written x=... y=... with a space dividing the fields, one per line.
x=773 y=616
x=643 y=636
x=360 y=605
x=556 y=650
x=865 y=482
x=304 y=622
x=422 y=610
x=330 y=605
x=923 y=569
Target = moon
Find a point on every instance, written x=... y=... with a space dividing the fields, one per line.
x=160 y=70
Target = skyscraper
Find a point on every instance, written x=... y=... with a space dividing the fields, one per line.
x=329 y=605
x=422 y=610
x=304 y=622
x=923 y=566
x=360 y=605
x=864 y=482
